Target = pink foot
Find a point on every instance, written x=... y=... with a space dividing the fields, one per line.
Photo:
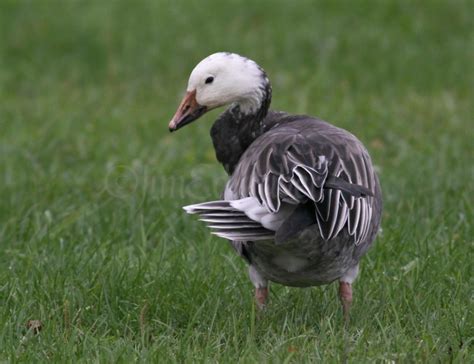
x=261 y=294
x=345 y=294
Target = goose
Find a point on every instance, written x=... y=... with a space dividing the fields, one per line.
x=303 y=202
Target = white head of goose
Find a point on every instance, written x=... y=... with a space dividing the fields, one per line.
x=303 y=202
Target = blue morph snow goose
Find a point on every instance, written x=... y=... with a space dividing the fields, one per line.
x=303 y=203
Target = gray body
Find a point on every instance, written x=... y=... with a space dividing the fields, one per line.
x=316 y=178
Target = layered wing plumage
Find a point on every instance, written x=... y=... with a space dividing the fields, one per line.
x=305 y=160
x=229 y=220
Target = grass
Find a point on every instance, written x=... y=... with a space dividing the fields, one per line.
x=93 y=239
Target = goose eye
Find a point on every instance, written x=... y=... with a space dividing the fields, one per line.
x=209 y=80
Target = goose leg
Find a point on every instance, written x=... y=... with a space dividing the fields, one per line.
x=345 y=294
x=261 y=287
x=261 y=294
x=345 y=291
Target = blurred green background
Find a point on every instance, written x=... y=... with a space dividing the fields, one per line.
x=93 y=239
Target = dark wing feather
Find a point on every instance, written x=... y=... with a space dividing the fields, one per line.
x=303 y=160
x=228 y=222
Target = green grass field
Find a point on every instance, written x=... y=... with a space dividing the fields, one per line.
x=93 y=239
